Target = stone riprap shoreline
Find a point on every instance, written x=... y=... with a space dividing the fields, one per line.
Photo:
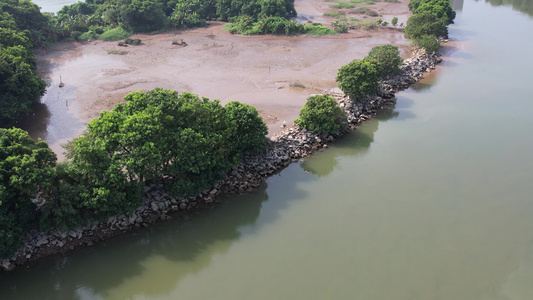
x=288 y=146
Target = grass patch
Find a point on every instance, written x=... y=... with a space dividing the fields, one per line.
x=335 y=14
x=115 y=34
x=318 y=29
x=275 y=25
x=343 y=4
x=365 y=11
x=117 y=52
x=89 y=35
x=297 y=84
x=367 y=25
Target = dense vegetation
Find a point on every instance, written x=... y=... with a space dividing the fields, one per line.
x=429 y=22
x=357 y=79
x=91 y=18
x=321 y=114
x=276 y=25
x=187 y=140
x=26 y=169
x=387 y=59
x=20 y=30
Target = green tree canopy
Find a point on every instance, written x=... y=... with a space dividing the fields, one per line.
x=26 y=168
x=358 y=78
x=321 y=114
x=160 y=133
x=425 y=23
x=387 y=58
x=440 y=8
x=19 y=84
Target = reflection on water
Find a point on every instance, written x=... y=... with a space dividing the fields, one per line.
x=50 y=119
x=525 y=6
x=36 y=122
x=436 y=204
x=357 y=143
x=187 y=245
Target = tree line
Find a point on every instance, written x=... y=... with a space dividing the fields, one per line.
x=360 y=78
x=187 y=140
x=21 y=24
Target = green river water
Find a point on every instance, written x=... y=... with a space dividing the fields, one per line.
x=431 y=200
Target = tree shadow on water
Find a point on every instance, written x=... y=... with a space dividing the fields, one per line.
x=354 y=144
x=179 y=247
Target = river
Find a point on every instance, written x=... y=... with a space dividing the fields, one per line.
x=430 y=200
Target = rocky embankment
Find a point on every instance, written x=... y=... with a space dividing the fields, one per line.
x=290 y=145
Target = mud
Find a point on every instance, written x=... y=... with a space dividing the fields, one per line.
x=275 y=74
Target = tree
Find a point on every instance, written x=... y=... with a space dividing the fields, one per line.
x=27 y=16
x=321 y=114
x=160 y=133
x=358 y=78
x=249 y=128
x=19 y=84
x=428 y=42
x=142 y=16
x=440 y=8
x=26 y=169
x=387 y=58
x=425 y=23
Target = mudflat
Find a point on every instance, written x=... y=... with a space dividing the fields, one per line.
x=276 y=74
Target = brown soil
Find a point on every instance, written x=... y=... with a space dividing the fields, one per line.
x=275 y=74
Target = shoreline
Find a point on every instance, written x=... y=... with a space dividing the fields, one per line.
x=275 y=74
x=290 y=145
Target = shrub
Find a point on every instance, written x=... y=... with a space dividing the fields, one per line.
x=425 y=23
x=394 y=21
x=358 y=78
x=387 y=58
x=89 y=35
x=318 y=29
x=428 y=42
x=114 y=34
x=321 y=114
x=134 y=42
x=341 y=27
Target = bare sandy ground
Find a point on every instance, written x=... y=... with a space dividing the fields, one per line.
x=276 y=74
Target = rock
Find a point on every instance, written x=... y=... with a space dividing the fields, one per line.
x=7 y=265
x=154 y=206
x=41 y=242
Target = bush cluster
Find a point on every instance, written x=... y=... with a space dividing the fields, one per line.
x=84 y=20
x=19 y=84
x=26 y=169
x=188 y=140
x=275 y=25
x=321 y=114
x=357 y=79
x=429 y=22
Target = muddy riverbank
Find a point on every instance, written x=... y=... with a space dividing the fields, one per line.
x=276 y=74
x=289 y=145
